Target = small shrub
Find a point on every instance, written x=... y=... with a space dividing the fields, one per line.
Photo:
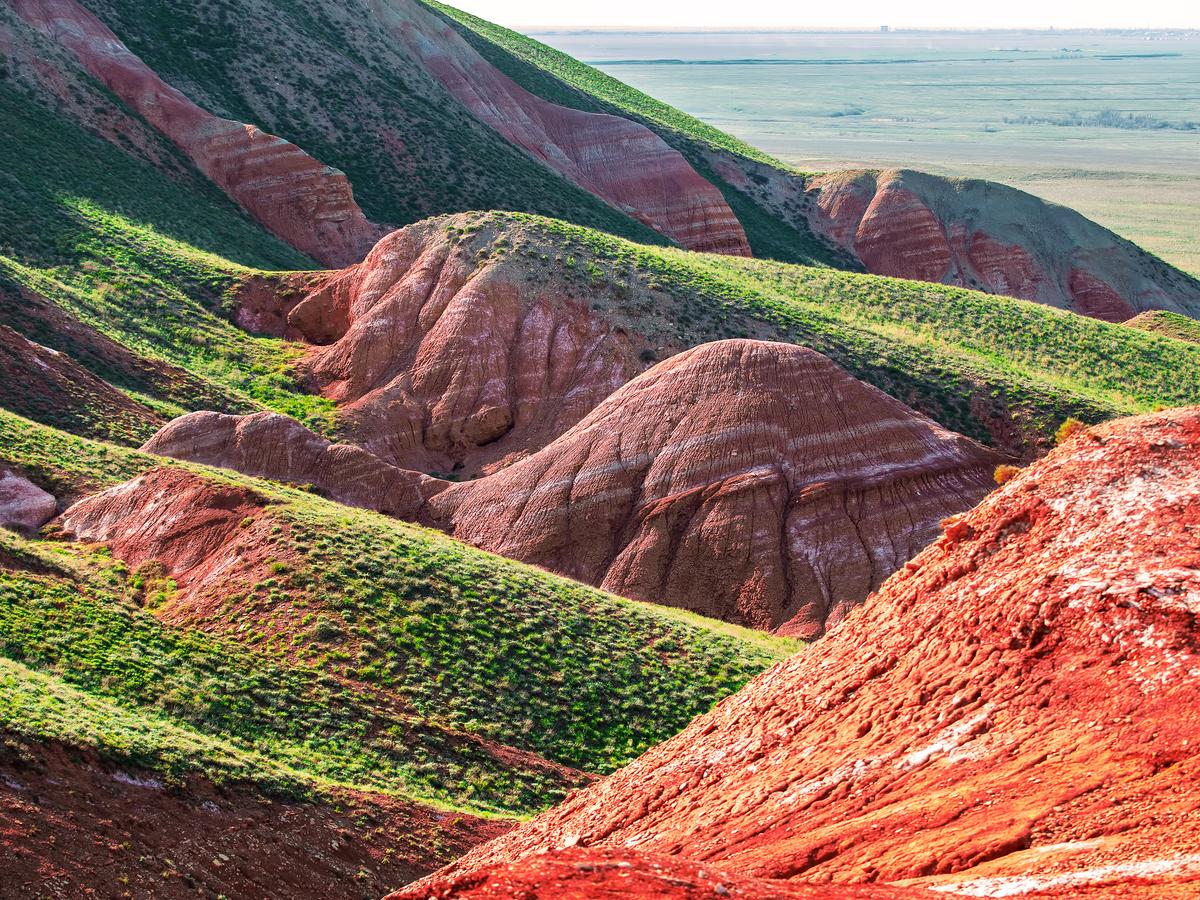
x=1006 y=473
x=1068 y=429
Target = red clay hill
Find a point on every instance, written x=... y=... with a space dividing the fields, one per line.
x=618 y=160
x=1014 y=713
x=750 y=481
x=994 y=238
x=442 y=362
x=301 y=200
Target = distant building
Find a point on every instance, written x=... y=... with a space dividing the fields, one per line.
x=884 y=29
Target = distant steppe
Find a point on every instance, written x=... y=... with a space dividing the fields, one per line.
x=1106 y=122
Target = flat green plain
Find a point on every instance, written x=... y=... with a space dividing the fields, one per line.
x=1105 y=122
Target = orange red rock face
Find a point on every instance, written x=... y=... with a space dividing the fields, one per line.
x=1013 y=713
x=620 y=161
x=588 y=874
x=990 y=237
x=306 y=203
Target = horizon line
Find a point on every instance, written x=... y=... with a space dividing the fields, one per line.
x=859 y=29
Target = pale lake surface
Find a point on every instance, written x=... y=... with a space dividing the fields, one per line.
x=1107 y=122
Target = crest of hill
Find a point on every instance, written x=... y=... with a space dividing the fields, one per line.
x=971 y=233
x=1042 y=654
x=1168 y=324
x=469 y=296
x=424 y=117
x=754 y=482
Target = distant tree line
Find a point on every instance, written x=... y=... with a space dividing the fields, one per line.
x=1108 y=118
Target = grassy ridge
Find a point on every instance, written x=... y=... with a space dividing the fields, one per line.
x=1168 y=324
x=561 y=79
x=374 y=653
x=142 y=258
x=592 y=81
x=336 y=84
x=1001 y=370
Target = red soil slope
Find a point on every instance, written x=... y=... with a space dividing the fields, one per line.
x=205 y=533
x=620 y=161
x=990 y=237
x=1014 y=712
x=301 y=200
x=273 y=446
x=73 y=825
x=588 y=874
x=441 y=364
x=750 y=481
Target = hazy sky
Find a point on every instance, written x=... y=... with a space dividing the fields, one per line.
x=861 y=13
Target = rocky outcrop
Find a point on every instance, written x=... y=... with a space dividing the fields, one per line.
x=986 y=236
x=274 y=446
x=23 y=505
x=618 y=160
x=439 y=363
x=749 y=481
x=1012 y=713
x=598 y=873
x=306 y=203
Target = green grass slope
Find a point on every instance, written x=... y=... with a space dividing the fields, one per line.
x=1004 y=371
x=562 y=79
x=140 y=256
x=328 y=78
x=374 y=654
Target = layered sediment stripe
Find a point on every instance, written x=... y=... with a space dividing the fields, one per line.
x=620 y=161
x=751 y=481
x=301 y=200
x=990 y=237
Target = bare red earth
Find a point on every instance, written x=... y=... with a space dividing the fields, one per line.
x=588 y=874
x=994 y=238
x=1015 y=712
x=620 y=161
x=899 y=235
x=200 y=530
x=301 y=200
x=73 y=825
x=751 y=481
x=441 y=364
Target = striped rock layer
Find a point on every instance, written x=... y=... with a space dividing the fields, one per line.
x=585 y=874
x=302 y=201
x=624 y=163
x=749 y=481
x=989 y=237
x=441 y=364
x=1015 y=713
